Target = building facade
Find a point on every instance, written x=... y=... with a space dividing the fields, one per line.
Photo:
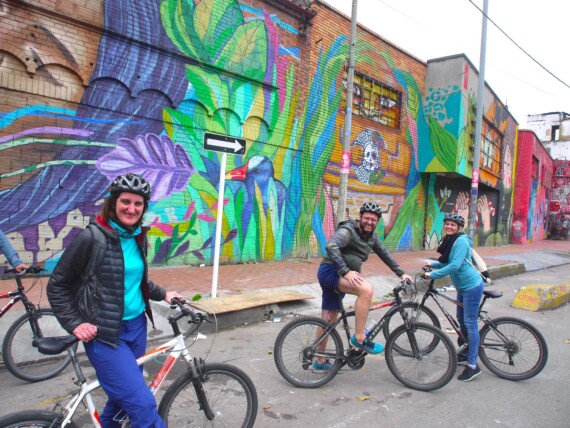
x=446 y=158
x=119 y=86
x=533 y=190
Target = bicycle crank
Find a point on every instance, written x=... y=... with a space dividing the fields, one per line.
x=355 y=358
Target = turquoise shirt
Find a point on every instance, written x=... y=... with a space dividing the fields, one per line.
x=463 y=275
x=134 y=270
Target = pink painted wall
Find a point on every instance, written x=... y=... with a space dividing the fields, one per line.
x=533 y=186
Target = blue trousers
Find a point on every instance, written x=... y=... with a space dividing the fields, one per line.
x=122 y=379
x=467 y=317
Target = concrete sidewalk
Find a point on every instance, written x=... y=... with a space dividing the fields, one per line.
x=265 y=289
x=251 y=280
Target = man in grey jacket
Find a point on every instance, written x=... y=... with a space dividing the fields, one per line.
x=339 y=274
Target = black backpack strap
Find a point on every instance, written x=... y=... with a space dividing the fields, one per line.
x=98 y=245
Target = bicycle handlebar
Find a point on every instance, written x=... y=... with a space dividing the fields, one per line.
x=185 y=310
x=29 y=269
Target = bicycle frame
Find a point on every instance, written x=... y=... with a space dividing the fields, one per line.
x=16 y=295
x=435 y=295
x=177 y=348
x=394 y=304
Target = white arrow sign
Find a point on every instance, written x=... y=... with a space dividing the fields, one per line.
x=224 y=143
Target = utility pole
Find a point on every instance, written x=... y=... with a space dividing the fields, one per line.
x=478 y=126
x=345 y=157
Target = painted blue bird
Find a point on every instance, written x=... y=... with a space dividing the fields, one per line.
x=258 y=171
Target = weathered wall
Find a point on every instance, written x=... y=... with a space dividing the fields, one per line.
x=560 y=203
x=447 y=156
x=532 y=189
x=127 y=86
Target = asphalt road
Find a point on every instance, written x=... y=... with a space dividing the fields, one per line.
x=372 y=396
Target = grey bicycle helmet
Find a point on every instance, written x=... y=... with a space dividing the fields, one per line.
x=455 y=217
x=371 y=207
x=132 y=183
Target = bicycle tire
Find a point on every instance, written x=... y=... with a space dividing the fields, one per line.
x=230 y=393
x=22 y=359
x=33 y=418
x=395 y=320
x=420 y=370
x=294 y=351
x=522 y=357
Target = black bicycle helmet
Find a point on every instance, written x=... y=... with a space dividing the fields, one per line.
x=132 y=183
x=371 y=207
x=455 y=217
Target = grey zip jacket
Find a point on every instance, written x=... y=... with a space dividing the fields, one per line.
x=349 y=248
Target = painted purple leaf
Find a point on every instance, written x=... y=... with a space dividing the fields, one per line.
x=163 y=163
x=182 y=248
x=162 y=252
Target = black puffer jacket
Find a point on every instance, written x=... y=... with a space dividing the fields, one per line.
x=103 y=305
x=349 y=248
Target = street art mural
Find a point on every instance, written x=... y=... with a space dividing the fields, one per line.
x=223 y=67
x=559 y=216
x=533 y=189
x=450 y=112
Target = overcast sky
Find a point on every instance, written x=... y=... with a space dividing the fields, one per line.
x=436 y=28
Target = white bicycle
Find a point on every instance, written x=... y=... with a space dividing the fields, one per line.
x=215 y=394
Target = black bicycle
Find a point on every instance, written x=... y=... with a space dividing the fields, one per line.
x=419 y=355
x=21 y=358
x=511 y=348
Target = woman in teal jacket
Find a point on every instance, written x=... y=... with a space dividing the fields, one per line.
x=455 y=250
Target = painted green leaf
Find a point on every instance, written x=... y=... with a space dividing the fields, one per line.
x=444 y=144
x=246 y=52
x=215 y=21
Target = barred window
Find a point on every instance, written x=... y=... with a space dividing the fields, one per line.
x=374 y=100
x=491 y=143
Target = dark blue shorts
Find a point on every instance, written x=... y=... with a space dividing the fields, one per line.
x=328 y=279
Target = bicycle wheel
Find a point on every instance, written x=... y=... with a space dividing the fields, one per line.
x=417 y=369
x=22 y=359
x=230 y=395
x=295 y=349
x=33 y=418
x=512 y=348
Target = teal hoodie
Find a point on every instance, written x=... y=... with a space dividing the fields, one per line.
x=463 y=275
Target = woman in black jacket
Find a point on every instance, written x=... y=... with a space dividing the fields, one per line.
x=100 y=292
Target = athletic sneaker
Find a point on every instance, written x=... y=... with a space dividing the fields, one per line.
x=469 y=374
x=322 y=367
x=368 y=345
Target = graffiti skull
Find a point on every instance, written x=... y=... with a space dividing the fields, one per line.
x=370 y=160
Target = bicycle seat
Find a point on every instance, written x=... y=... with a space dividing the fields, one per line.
x=492 y=294
x=54 y=345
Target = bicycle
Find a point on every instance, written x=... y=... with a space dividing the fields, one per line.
x=510 y=348
x=215 y=394
x=416 y=366
x=20 y=357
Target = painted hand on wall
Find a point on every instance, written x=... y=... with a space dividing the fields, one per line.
x=485 y=212
x=462 y=206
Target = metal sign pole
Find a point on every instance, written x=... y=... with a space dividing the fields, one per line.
x=221 y=192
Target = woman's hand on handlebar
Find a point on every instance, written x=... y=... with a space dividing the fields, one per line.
x=407 y=278
x=170 y=295
x=427 y=269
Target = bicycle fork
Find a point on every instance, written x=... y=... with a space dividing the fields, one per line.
x=199 y=375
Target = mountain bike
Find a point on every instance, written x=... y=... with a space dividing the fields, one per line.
x=206 y=395
x=510 y=348
x=21 y=358
x=408 y=356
